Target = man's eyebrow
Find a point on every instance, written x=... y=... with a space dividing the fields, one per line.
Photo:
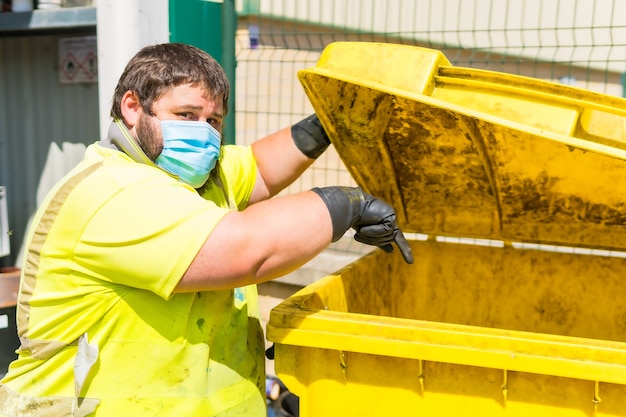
x=218 y=115
x=192 y=107
x=188 y=107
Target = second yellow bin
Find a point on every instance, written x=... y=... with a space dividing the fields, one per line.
x=516 y=303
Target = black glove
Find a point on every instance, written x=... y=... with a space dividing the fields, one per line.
x=310 y=137
x=269 y=352
x=373 y=219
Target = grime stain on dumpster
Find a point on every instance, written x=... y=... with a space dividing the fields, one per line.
x=200 y=323
x=538 y=199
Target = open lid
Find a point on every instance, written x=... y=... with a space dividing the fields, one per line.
x=465 y=152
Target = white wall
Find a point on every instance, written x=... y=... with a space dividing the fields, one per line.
x=124 y=27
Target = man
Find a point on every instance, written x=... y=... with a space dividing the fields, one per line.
x=138 y=292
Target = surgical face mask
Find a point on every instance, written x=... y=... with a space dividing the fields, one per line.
x=190 y=150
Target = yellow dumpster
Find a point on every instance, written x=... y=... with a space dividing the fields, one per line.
x=514 y=188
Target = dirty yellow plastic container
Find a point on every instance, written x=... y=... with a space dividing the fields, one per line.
x=527 y=319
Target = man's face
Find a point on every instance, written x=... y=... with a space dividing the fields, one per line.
x=184 y=102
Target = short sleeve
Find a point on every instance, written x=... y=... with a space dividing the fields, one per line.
x=146 y=235
x=238 y=175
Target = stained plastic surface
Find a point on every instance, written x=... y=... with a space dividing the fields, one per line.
x=465 y=152
x=467 y=330
x=499 y=328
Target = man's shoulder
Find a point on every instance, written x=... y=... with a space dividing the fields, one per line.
x=116 y=165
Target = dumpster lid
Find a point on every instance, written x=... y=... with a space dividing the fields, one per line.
x=474 y=153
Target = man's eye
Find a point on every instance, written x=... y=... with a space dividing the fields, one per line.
x=217 y=124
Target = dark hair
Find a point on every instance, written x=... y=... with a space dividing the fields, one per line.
x=157 y=68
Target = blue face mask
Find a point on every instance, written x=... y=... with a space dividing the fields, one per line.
x=190 y=150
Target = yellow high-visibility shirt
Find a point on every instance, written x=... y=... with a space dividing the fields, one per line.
x=100 y=328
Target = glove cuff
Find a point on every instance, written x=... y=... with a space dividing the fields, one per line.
x=345 y=205
x=310 y=137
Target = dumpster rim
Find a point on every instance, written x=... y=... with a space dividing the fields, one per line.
x=511 y=350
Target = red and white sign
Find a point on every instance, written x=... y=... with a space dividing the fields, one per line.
x=78 y=60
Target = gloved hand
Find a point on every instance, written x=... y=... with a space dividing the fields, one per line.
x=310 y=137
x=373 y=220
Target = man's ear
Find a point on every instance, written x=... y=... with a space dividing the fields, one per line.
x=131 y=108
